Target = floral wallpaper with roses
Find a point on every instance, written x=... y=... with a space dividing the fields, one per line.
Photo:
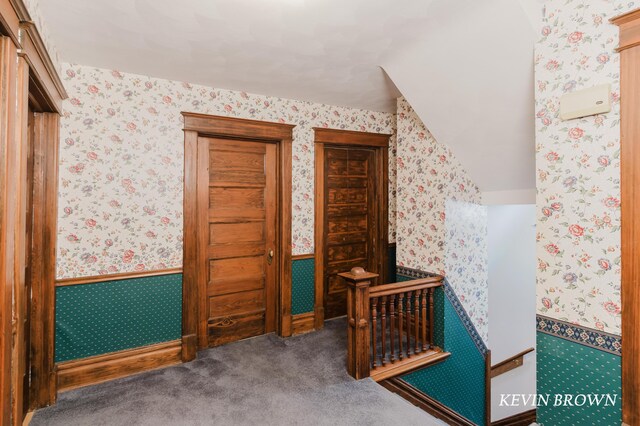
x=578 y=167
x=121 y=165
x=441 y=227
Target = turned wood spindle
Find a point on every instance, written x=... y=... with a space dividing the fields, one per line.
x=383 y=330
x=431 y=327
x=400 y=337
x=408 y=316
x=392 y=326
x=424 y=320
x=416 y=319
x=374 y=332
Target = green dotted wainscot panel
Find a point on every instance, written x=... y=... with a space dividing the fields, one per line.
x=302 y=286
x=94 y=319
x=458 y=382
x=565 y=367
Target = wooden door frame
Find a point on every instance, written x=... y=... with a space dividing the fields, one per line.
x=194 y=315
x=629 y=49
x=379 y=143
x=31 y=78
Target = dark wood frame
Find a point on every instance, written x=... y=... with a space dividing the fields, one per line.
x=194 y=321
x=29 y=78
x=629 y=49
x=335 y=138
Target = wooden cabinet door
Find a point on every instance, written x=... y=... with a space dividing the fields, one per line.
x=238 y=237
x=350 y=220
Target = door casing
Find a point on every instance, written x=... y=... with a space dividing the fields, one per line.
x=194 y=313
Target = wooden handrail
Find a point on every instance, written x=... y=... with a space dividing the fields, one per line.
x=391 y=326
x=402 y=287
x=510 y=363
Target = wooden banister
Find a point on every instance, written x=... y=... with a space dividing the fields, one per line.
x=510 y=363
x=391 y=326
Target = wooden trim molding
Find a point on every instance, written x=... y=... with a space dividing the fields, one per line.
x=16 y=23
x=43 y=258
x=509 y=363
x=349 y=137
x=9 y=211
x=425 y=402
x=303 y=323
x=47 y=88
x=630 y=221
x=331 y=137
x=194 y=321
x=303 y=256
x=101 y=368
x=629 y=24
x=521 y=419
x=116 y=277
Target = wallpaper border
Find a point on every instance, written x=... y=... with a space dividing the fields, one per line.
x=455 y=302
x=578 y=334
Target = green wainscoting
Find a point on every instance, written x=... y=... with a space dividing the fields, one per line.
x=302 y=286
x=565 y=367
x=457 y=382
x=94 y=319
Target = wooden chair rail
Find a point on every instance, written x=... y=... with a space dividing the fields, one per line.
x=391 y=326
x=510 y=363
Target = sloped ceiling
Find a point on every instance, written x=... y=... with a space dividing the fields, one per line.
x=465 y=65
x=469 y=76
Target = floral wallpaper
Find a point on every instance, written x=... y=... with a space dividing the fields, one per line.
x=467 y=258
x=578 y=167
x=441 y=227
x=121 y=165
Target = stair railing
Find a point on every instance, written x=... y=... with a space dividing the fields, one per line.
x=390 y=326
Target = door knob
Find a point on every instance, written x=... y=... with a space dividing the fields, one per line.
x=270 y=257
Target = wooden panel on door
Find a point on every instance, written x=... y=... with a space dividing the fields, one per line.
x=350 y=220
x=239 y=233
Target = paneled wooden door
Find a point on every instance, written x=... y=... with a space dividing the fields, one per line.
x=351 y=215
x=237 y=207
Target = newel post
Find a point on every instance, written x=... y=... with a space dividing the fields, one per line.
x=358 y=332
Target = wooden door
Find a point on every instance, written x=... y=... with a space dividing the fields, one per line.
x=237 y=181
x=350 y=227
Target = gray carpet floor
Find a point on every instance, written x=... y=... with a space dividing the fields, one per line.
x=260 y=381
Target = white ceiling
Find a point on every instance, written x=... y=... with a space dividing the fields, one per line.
x=465 y=65
x=326 y=51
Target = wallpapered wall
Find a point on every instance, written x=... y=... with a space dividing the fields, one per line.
x=121 y=165
x=441 y=226
x=578 y=167
x=578 y=209
x=33 y=6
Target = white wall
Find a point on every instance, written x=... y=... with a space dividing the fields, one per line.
x=512 y=291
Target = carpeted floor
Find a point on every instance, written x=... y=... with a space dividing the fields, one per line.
x=261 y=381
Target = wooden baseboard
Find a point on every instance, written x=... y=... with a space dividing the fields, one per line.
x=425 y=402
x=520 y=419
x=101 y=368
x=303 y=323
